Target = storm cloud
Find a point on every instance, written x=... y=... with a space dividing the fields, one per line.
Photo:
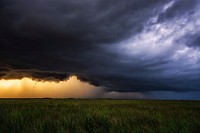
x=123 y=46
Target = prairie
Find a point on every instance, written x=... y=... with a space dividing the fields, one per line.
x=98 y=116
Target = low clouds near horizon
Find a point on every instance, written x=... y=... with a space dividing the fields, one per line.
x=140 y=46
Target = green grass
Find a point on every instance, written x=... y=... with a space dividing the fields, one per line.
x=101 y=116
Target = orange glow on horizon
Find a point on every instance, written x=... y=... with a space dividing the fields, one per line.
x=5 y=84
x=28 y=88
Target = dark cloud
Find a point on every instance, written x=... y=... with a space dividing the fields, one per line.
x=34 y=74
x=52 y=40
x=195 y=41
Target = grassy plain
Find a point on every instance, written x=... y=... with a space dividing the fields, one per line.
x=98 y=116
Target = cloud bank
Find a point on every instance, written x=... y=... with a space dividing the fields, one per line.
x=122 y=46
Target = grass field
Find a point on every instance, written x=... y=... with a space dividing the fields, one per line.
x=82 y=116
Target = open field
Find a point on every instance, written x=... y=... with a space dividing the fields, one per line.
x=115 y=116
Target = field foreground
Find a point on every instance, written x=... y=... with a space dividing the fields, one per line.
x=85 y=116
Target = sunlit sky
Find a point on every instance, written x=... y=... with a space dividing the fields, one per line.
x=28 y=88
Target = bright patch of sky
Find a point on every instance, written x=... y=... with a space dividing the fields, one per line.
x=166 y=39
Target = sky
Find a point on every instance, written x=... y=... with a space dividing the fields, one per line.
x=134 y=49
